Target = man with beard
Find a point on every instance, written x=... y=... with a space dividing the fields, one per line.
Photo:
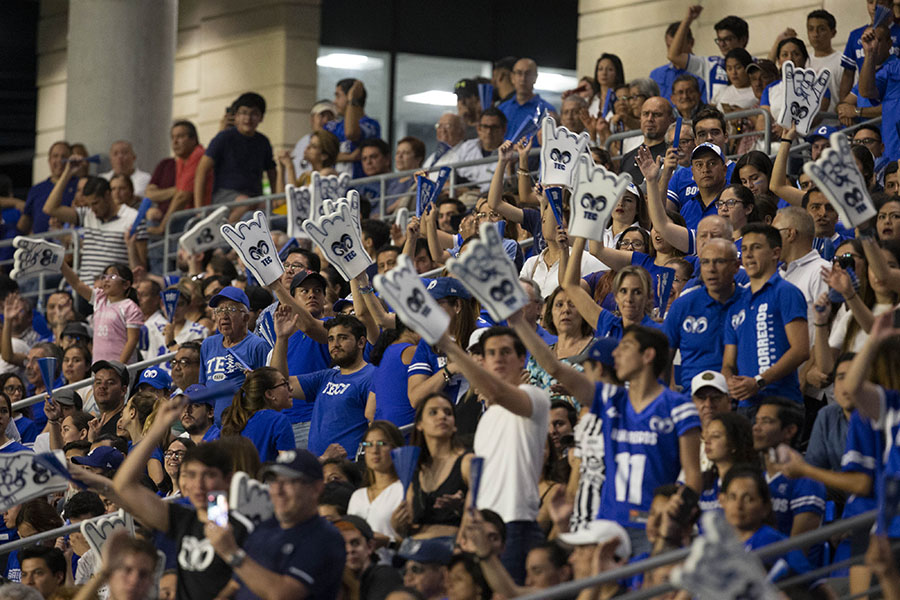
x=656 y=116
x=110 y=386
x=340 y=395
x=197 y=417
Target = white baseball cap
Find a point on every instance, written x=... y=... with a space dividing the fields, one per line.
x=600 y=532
x=712 y=379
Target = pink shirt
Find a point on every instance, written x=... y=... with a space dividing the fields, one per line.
x=111 y=323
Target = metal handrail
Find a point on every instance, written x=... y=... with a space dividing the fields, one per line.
x=77 y=385
x=572 y=588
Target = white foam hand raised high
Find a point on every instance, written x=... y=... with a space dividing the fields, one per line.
x=35 y=256
x=331 y=187
x=486 y=270
x=97 y=531
x=298 y=199
x=402 y=218
x=596 y=194
x=337 y=235
x=719 y=567
x=253 y=243
x=352 y=201
x=803 y=94
x=836 y=175
x=205 y=234
x=250 y=498
x=559 y=153
x=403 y=290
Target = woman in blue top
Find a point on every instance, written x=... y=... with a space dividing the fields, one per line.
x=255 y=413
x=132 y=425
x=392 y=354
x=727 y=441
x=6 y=444
x=632 y=290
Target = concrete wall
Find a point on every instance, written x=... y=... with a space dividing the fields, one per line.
x=635 y=29
x=224 y=48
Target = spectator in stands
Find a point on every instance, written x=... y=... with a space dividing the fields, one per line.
x=609 y=75
x=491 y=127
x=185 y=325
x=468 y=105
x=321 y=113
x=383 y=492
x=738 y=95
x=570 y=113
x=319 y=155
x=129 y=567
x=410 y=155
x=186 y=366
x=656 y=116
x=525 y=103
x=450 y=131
x=449 y=212
x=375 y=580
x=821 y=27
x=709 y=171
x=501 y=78
x=727 y=441
x=59 y=312
x=375 y=157
x=731 y=32
x=179 y=191
x=709 y=391
x=686 y=96
x=82 y=506
x=255 y=413
x=772 y=99
x=74 y=428
x=353 y=126
x=426 y=566
x=122 y=159
x=123 y=191
x=110 y=386
x=43 y=569
x=198 y=417
x=62 y=404
x=310 y=569
x=883 y=85
x=34 y=219
x=665 y=75
x=238 y=156
x=854 y=53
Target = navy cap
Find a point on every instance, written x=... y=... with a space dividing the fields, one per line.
x=359 y=524
x=341 y=303
x=600 y=350
x=707 y=147
x=302 y=276
x=101 y=457
x=296 y=464
x=116 y=366
x=466 y=88
x=68 y=398
x=230 y=293
x=434 y=550
x=196 y=394
x=447 y=287
x=156 y=377
x=824 y=131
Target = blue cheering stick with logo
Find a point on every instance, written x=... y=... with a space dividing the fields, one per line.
x=476 y=467
x=554 y=197
x=48 y=365
x=170 y=301
x=529 y=126
x=677 y=139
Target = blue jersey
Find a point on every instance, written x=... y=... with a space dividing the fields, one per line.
x=28 y=429
x=795 y=559
x=682 y=185
x=695 y=324
x=756 y=326
x=339 y=413
x=427 y=362
x=657 y=273
x=693 y=211
x=641 y=450
x=368 y=128
x=887 y=80
x=610 y=324
x=709 y=498
x=861 y=456
x=13 y=446
x=791 y=497
x=854 y=55
x=304 y=355
x=389 y=384
x=220 y=364
x=270 y=432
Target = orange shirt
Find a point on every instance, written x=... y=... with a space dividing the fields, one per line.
x=185 y=169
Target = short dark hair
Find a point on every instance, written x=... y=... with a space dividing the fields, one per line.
x=773 y=238
x=117 y=442
x=78 y=445
x=499 y=330
x=740 y=471
x=789 y=413
x=709 y=112
x=417 y=145
x=389 y=248
x=193 y=346
x=735 y=25
x=571 y=413
x=378 y=143
x=337 y=494
x=666 y=490
x=378 y=230
x=689 y=78
x=650 y=337
x=672 y=29
x=191 y=128
x=346 y=84
x=826 y=16
x=84 y=504
x=741 y=55
x=505 y=64
x=211 y=454
x=53 y=557
x=495 y=520
x=874 y=129
x=350 y=322
x=250 y=100
x=801 y=45
x=493 y=111
x=312 y=259
x=555 y=553
x=95 y=186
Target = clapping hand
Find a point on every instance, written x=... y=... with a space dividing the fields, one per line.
x=286 y=321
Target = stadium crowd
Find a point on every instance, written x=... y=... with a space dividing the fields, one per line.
x=760 y=379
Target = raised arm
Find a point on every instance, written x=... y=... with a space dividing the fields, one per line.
x=612 y=258
x=867 y=394
x=778 y=184
x=80 y=287
x=495 y=192
x=361 y=308
x=11 y=306
x=309 y=325
x=354 y=112
x=823 y=353
x=867 y=87
x=205 y=165
x=584 y=304
x=880 y=267
x=678 y=54
x=677 y=235
x=53 y=206
x=285 y=323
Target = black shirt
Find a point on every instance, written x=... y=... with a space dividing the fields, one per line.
x=628 y=165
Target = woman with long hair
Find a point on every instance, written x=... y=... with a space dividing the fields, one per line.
x=255 y=413
x=76 y=366
x=629 y=212
x=574 y=335
x=320 y=154
x=434 y=502
x=392 y=354
x=182 y=327
x=172 y=458
x=609 y=74
x=117 y=317
x=383 y=491
x=727 y=441
x=14 y=388
x=134 y=421
x=430 y=372
x=737 y=204
x=633 y=239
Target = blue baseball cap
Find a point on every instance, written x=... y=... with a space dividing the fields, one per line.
x=706 y=147
x=230 y=293
x=101 y=457
x=156 y=377
x=600 y=350
x=341 y=303
x=434 y=550
x=296 y=464
x=824 y=131
x=447 y=287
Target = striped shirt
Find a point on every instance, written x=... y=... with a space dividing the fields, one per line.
x=104 y=242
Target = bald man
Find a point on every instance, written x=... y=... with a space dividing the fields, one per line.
x=121 y=159
x=450 y=130
x=525 y=103
x=656 y=116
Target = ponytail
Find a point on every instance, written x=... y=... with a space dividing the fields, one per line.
x=250 y=398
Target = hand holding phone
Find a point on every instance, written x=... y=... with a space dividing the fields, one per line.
x=217 y=508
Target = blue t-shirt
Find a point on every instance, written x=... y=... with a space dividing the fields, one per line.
x=531 y=222
x=854 y=55
x=610 y=324
x=304 y=355
x=695 y=324
x=218 y=365
x=791 y=497
x=427 y=362
x=665 y=76
x=656 y=272
x=641 y=450
x=887 y=79
x=339 y=412
x=682 y=185
x=270 y=431
x=37 y=197
x=240 y=160
x=693 y=211
x=28 y=429
x=517 y=113
x=312 y=552
x=368 y=128
x=756 y=326
x=14 y=567
x=795 y=559
x=709 y=498
x=13 y=446
x=391 y=392
x=861 y=456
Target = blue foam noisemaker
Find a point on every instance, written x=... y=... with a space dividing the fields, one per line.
x=405 y=458
x=475 y=469
x=47 y=365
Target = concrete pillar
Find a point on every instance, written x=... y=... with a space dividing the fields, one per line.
x=120 y=66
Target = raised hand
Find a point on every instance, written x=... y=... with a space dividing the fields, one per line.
x=338 y=237
x=559 y=153
x=803 y=94
x=253 y=244
x=596 y=193
x=402 y=288
x=648 y=165
x=822 y=308
x=286 y=321
x=835 y=173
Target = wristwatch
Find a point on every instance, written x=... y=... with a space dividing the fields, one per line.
x=236 y=559
x=858 y=111
x=760 y=382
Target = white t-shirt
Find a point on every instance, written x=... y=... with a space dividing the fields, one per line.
x=832 y=62
x=377 y=512
x=547 y=278
x=842 y=322
x=743 y=97
x=19 y=346
x=513 y=451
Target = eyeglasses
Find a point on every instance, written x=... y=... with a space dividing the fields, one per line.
x=294 y=267
x=283 y=383
x=377 y=444
x=721 y=41
x=727 y=203
x=631 y=244
x=179 y=454
x=865 y=141
x=227 y=310
x=111 y=277
x=14 y=389
x=183 y=362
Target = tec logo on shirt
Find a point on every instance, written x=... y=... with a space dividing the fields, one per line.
x=335 y=389
x=219 y=367
x=737 y=319
x=695 y=324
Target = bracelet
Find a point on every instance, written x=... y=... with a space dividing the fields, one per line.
x=821 y=324
x=787 y=140
x=446 y=373
x=368 y=289
x=525 y=172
